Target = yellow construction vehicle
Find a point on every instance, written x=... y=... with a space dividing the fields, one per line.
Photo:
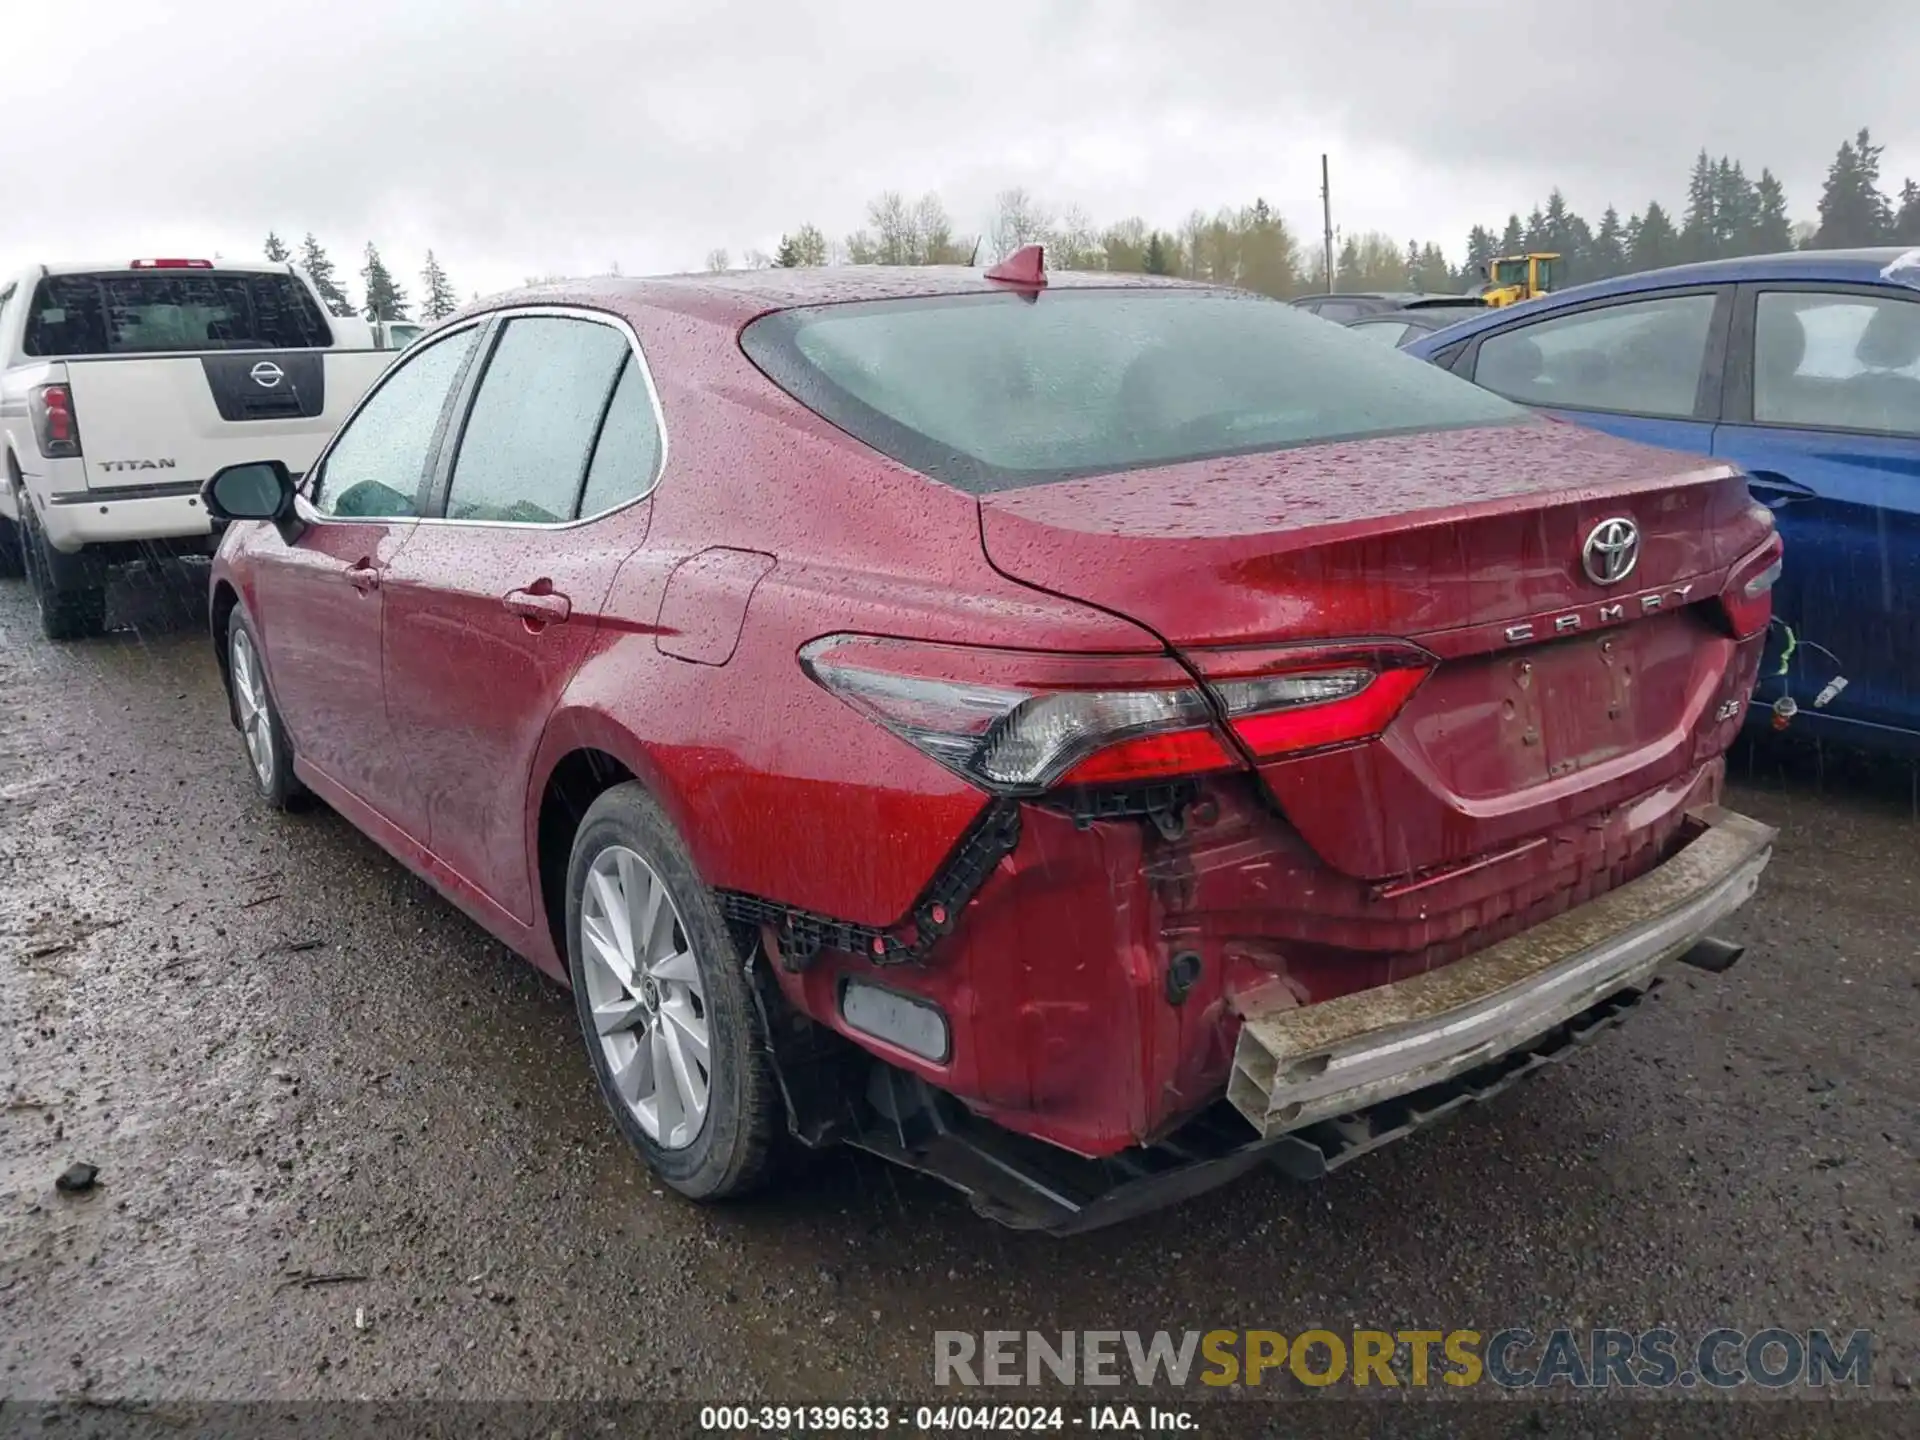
x=1513 y=278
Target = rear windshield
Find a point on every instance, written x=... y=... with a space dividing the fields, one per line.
x=141 y=312
x=993 y=392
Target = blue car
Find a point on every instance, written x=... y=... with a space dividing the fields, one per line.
x=1802 y=368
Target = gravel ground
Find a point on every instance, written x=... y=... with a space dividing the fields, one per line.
x=348 y=1146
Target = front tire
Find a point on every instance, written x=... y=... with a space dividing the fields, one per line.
x=663 y=1002
x=269 y=753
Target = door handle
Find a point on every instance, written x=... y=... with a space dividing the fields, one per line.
x=538 y=606
x=1775 y=490
x=364 y=576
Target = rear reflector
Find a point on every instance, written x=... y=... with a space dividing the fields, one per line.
x=915 y=1025
x=55 y=427
x=172 y=265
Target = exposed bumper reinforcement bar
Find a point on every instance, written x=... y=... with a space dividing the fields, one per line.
x=1298 y=1066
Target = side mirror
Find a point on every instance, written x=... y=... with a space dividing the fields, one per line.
x=258 y=490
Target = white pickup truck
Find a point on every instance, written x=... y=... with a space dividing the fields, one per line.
x=124 y=387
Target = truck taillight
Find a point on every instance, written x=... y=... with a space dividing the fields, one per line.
x=1747 y=600
x=54 y=425
x=1021 y=723
x=172 y=265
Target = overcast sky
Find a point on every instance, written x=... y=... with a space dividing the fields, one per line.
x=567 y=135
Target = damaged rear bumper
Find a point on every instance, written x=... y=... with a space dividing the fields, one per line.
x=1299 y=1065
x=1364 y=1070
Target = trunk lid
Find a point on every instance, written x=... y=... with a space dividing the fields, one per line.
x=1555 y=695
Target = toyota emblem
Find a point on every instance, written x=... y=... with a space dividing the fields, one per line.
x=1611 y=551
x=267 y=375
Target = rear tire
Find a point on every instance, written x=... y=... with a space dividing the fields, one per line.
x=656 y=999
x=66 y=613
x=13 y=554
x=13 y=544
x=269 y=752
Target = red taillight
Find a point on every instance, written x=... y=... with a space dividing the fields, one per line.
x=1286 y=701
x=172 y=265
x=1019 y=722
x=1747 y=600
x=54 y=425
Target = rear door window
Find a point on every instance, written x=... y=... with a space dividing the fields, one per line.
x=996 y=391
x=153 y=311
x=1640 y=358
x=1837 y=361
x=523 y=454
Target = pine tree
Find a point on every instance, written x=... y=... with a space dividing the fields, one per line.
x=1772 y=229
x=1655 y=242
x=1736 y=209
x=1435 y=276
x=319 y=268
x=1906 y=224
x=1158 y=262
x=1697 y=233
x=1852 y=209
x=275 y=251
x=439 y=300
x=1513 y=240
x=787 y=255
x=1346 y=270
x=385 y=299
x=1607 y=255
x=1536 y=233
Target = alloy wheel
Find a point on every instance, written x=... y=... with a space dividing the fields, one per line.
x=644 y=991
x=250 y=699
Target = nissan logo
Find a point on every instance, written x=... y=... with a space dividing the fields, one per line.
x=1611 y=551
x=267 y=375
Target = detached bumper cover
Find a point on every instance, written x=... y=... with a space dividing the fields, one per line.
x=1299 y=1065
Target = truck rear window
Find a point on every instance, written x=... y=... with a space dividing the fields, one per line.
x=994 y=392
x=142 y=313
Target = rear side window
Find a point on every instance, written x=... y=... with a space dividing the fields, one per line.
x=627 y=457
x=1640 y=358
x=994 y=392
x=523 y=456
x=1387 y=332
x=1837 y=361
x=145 y=312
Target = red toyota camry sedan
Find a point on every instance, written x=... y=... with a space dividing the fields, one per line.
x=1077 y=735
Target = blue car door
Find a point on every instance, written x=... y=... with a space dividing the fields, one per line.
x=1822 y=408
x=1644 y=366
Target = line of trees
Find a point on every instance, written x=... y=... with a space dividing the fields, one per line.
x=1727 y=212
x=385 y=298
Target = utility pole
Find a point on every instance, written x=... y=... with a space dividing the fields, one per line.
x=1326 y=210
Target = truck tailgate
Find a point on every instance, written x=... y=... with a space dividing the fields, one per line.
x=165 y=419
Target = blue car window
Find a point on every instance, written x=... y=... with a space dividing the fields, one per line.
x=1640 y=358
x=1837 y=361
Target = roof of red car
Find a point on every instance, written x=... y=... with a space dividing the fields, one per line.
x=740 y=295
